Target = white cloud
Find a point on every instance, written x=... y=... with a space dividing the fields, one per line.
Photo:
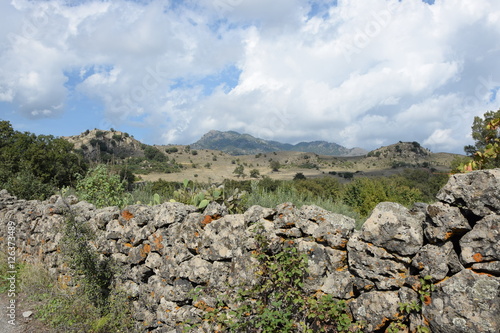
x=359 y=74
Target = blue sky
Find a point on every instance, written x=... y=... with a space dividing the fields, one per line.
x=353 y=72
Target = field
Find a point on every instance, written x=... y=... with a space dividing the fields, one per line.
x=214 y=166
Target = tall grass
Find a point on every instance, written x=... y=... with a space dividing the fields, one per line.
x=270 y=199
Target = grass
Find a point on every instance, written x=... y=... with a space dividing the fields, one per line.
x=271 y=199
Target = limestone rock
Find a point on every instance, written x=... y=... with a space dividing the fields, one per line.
x=386 y=270
x=394 y=228
x=437 y=261
x=482 y=244
x=444 y=222
x=465 y=302
x=255 y=213
x=223 y=238
x=477 y=191
x=378 y=308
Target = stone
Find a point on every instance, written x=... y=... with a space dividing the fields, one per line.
x=170 y=212
x=255 y=213
x=394 y=228
x=482 y=243
x=196 y=270
x=334 y=230
x=378 y=308
x=386 y=270
x=223 y=238
x=466 y=302
x=215 y=209
x=444 y=222
x=438 y=261
x=477 y=191
x=339 y=284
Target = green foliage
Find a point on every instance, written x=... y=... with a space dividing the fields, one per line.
x=154 y=154
x=486 y=152
x=407 y=308
x=171 y=150
x=299 y=176
x=101 y=188
x=44 y=161
x=194 y=194
x=254 y=173
x=277 y=302
x=275 y=165
x=239 y=171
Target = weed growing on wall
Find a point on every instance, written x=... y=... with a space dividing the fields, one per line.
x=277 y=302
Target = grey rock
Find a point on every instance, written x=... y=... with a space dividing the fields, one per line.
x=170 y=212
x=482 y=244
x=223 y=238
x=393 y=227
x=339 y=284
x=385 y=270
x=215 y=209
x=466 y=302
x=378 y=308
x=477 y=191
x=256 y=213
x=334 y=229
x=287 y=216
x=104 y=215
x=196 y=270
x=444 y=222
x=437 y=261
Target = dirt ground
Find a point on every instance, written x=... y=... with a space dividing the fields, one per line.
x=21 y=324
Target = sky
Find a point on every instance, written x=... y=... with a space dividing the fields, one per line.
x=355 y=72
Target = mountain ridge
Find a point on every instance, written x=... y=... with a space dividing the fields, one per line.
x=235 y=143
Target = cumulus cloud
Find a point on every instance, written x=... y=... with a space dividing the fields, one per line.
x=353 y=72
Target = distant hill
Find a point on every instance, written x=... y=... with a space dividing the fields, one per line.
x=235 y=143
x=99 y=145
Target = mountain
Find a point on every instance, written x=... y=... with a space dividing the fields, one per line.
x=235 y=143
x=102 y=145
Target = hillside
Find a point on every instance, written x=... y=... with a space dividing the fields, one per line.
x=103 y=145
x=235 y=143
x=177 y=162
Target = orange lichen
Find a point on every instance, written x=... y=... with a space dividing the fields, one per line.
x=128 y=245
x=206 y=220
x=478 y=257
x=145 y=250
x=427 y=300
x=382 y=324
x=448 y=235
x=157 y=241
x=127 y=215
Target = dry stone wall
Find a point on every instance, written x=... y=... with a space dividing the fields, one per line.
x=167 y=250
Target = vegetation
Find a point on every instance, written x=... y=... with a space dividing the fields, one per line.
x=35 y=166
x=90 y=303
x=277 y=302
x=485 y=154
x=101 y=188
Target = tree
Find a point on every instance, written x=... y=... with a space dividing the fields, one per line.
x=275 y=165
x=299 y=176
x=101 y=188
x=254 y=173
x=32 y=166
x=153 y=154
x=239 y=171
x=486 y=151
x=481 y=133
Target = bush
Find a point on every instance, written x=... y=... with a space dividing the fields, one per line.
x=278 y=302
x=101 y=188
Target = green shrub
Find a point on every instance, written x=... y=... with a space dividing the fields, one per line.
x=278 y=303
x=101 y=188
